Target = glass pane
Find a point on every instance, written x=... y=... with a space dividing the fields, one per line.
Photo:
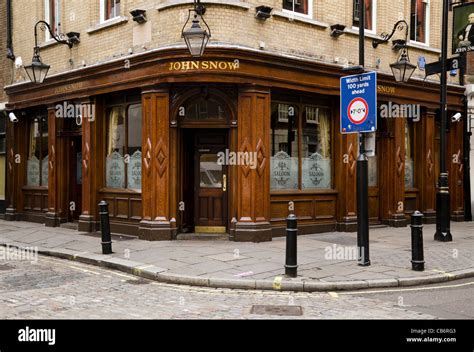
x=115 y=165
x=79 y=168
x=418 y=20
x=284 y=147
x=373 y=172
x=210 y=171
x=44 y=171
x=299 y=6
x=317 y=171
x=134 y=167
x=368 y=14
x=204 y=109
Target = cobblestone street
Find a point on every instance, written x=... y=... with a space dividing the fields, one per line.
x=54 y=288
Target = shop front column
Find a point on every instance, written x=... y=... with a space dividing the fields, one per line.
x=346 y=153
x=57 y=179
x=16 y=167
x=253 y=193
x=156 y=224
x=426 y=168
x=89 y=221
x=392 y=188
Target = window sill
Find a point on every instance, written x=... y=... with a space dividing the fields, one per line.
x=175 y=3
x=49 y=43
x=107 y=24
x=119 y=191
x=291 y=17
x=425 y=47
x=321 y=192
x=34 y=188
x=368 y=34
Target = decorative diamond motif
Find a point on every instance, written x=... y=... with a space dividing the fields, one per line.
x=52 y=158
x=161 y=156
x=400 y=161
x=429 y=161
x=245 y=148
x=86 y=159
x=261 y=157
x=147 y=156
x=352 y=160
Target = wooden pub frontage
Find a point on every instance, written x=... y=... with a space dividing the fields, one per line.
x=151 y=133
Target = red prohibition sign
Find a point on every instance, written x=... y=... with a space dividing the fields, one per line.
x=358 y=111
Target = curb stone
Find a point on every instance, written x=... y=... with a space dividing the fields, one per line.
x=160 y=275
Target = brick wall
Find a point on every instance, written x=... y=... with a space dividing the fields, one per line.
x=234 y=24
x=4 y=64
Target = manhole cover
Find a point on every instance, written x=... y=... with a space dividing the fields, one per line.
x=288 y=311
x=137 y=282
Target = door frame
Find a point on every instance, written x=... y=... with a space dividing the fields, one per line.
x=178 y=131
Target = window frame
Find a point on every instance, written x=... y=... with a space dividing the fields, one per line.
x=56 y=26
x=125 y=107
x=43 y=134
x=374 y=18
x=104 y=12
x=427 y=24
x=294 y=13
x=300 y=106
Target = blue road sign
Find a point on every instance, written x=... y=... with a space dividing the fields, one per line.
x=359 y=103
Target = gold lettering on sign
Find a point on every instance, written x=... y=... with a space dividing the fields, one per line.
x=386 y=89
x=204 y=65
x=69 y=88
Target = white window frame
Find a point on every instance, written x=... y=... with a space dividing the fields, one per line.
x=47 y=18
x=102 y=12
x=294 y=13
x=427 y=25
x=374 y=19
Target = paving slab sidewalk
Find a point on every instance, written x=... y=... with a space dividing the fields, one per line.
x=323 y=259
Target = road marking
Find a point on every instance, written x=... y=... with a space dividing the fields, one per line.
x=443 y=272
x=333 y=294
x=407 y=289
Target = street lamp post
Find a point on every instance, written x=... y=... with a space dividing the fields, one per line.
x=443 y=209
x=196 y=37
x=38 y=70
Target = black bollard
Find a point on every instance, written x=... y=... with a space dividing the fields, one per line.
x=291 y=266
x=418 y=260
x=105 y=227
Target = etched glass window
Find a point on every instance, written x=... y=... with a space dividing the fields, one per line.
x=37 y=162
x=316 y=158
x=409 y=160
x=284 y=146
x=124 y=152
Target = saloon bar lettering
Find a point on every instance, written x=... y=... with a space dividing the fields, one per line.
x=204 y=65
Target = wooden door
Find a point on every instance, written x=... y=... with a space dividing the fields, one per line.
x=75 y=178
x=211 y=183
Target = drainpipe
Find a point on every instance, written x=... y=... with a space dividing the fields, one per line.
x=10 y=54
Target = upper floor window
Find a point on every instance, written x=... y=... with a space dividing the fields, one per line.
x=370 y=14
x=301 y=7
x=52 y=15
x=109 y=9
x=419 y=18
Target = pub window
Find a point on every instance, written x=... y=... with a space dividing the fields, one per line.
x=419 y=16
x=124 y=151
x=52 y=15
x=300 y=144
x=370 y=14
x=37 y=163
x=409 y=152
x=109 y=9
x=301 y=7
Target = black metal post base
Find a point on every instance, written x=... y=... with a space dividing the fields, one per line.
x=443 y=211
x=291 y=262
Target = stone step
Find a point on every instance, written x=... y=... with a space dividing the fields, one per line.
x=203 y=237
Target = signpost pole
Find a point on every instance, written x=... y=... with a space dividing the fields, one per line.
x=362 y=166
x=443 y=232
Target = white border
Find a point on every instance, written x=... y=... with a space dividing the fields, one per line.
x=299 y=14
x=427 y=25
x=374 y=19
